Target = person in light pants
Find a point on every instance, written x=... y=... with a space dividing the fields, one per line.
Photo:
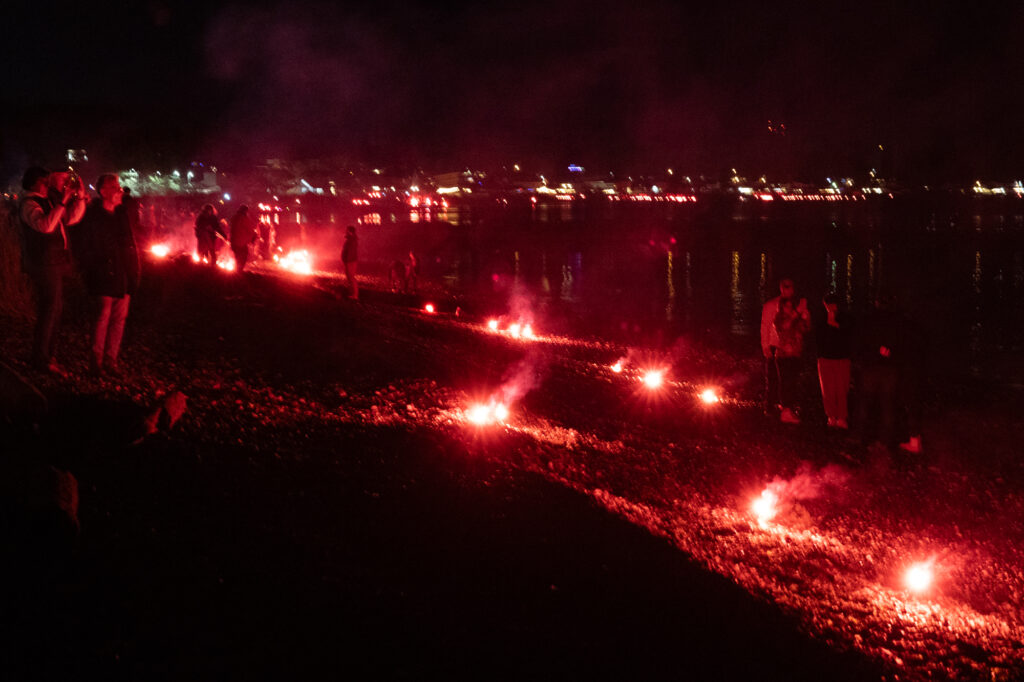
x=834 y=344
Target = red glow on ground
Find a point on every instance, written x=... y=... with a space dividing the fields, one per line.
x=919 y=577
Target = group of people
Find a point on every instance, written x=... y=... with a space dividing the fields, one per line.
x=62 y=227
x=211 y=230
x=885 y=351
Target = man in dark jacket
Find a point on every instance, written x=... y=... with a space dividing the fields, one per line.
x=886 y=350
x=52 y=202
x=109 y=260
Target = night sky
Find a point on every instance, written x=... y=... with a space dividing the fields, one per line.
x=622 y=86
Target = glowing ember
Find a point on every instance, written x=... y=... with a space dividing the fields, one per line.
x=297 y=261
x=617 y=367
x=492 y=325
x=160 y=250
x=429 y=308
x=709 y=396
x=765 y=507
x=654 y=379
x=484 y=415
x=918 y=577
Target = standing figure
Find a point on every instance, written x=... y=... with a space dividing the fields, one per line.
x=109 y=259
x=243 y=233
x=350 y=259
x=52 y=201
x=880 y=355
x=834 y=344
x=412 y=274
x=792 y=322
x=209 y=229
x=770 y=345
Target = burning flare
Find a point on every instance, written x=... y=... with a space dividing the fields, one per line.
x=709 y=396
x=492 y=325
x=919 y=576
x=654 y=378
x=765 y=507
x=484 y=415
x=160 y=250
x=617 y=367
x=298 y=262
x=429 y=308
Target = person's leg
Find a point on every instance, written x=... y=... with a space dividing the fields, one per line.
x=350 y=276
x=118 y=315
x=771 y=384
x=102 y=305
x=789 y=372
x=887 y=406
x=842 y=391
x=49 y=283
x=826 y=381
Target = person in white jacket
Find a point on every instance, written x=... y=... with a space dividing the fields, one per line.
x=770 y=344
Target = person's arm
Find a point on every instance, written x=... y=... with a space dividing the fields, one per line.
x=40 y=221
x=767 y=320
x=76 y=208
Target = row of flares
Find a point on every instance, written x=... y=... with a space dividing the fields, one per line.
x=299 y=261
x=918 y=577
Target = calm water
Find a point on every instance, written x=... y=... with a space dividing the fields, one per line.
x=646 y=273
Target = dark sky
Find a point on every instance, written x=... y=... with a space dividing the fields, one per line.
x=627 y=86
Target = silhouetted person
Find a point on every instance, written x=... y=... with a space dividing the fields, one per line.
x=52 y=201
x=834 y=341
x=350 y=259
x=243 y=233
x=131 y=207
x=107 y=253
x=882 y=354
x=412 y=273
x=209 y=230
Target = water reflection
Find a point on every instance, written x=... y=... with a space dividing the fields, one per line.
x=735 y=295
x=670 y=278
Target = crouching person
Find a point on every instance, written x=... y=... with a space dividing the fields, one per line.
x=109 y=261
